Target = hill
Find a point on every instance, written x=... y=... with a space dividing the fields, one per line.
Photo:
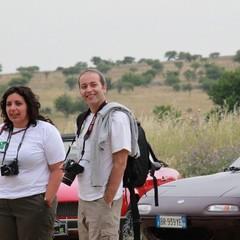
x=50 y=85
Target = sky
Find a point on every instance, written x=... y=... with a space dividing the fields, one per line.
x=54 y=33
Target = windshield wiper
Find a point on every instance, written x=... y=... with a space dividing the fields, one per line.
x=232 y=169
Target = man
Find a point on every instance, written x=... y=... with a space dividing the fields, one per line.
x=107 y=136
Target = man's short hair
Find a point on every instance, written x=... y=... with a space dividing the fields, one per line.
x=93 y=70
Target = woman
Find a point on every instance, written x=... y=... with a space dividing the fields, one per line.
x=31 y=152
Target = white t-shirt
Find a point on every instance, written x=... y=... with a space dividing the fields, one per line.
x=119 y=139
x=42 y=146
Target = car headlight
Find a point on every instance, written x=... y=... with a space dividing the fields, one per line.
x=144 y=208
x=223 y=208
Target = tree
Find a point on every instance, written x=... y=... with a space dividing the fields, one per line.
x=104 y=67
x=71 y=82
x=67 y=105
x=70 y=71
x=134 y=79
x=80 y=66
x=145 y=60
x=195 y=66
x=196 y=57
x=236 y=58
x=149 y=75
x=96 y=60
x=206 y=83
x=128 y=60
x=213 y=71
x=156 y=65
x=171 y=78
x=120 y=85
x=27 y=72
x=76 y=69
x=18 y=81
x=170 y=55
x=225 y=91
x=214 y=55
x=212 y=74
x=189 y=75
x=176 y=87
x=185 y=56
x=3 y=88
x=187 y=87
x=109 y=83
x=0 y=67
x=178 y=64
x=30 y=69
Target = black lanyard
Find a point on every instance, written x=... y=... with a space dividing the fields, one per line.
x=8 y=142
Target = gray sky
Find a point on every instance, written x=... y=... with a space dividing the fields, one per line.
x=53 y=33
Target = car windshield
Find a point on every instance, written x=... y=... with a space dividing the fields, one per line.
x=73 y=154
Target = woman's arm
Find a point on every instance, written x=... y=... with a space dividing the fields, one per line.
x=53 y=183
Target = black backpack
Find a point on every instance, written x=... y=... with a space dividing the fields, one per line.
x=136 y=172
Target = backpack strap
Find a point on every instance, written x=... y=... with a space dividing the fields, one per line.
x=80 y=119
x=154 y=158
x=134 y=212
x=155 y=165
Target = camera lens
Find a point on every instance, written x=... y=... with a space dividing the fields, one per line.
x=6 y=171
x=68 y=178
x=9 y=170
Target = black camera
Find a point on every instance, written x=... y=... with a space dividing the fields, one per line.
x=71 y=169
x=10 y=169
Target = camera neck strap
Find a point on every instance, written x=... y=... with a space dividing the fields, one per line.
x=8 y=142
x=90 y=128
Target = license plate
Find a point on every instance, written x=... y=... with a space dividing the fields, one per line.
x=60 y=228
x=171 y=221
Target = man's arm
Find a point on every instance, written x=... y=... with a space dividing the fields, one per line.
x=116 y=175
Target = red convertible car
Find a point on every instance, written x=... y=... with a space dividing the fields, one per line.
x=66 y=221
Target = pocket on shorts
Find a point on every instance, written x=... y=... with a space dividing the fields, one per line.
x=109 y=235
x=110 y=225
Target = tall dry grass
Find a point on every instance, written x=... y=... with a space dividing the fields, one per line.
x=193 y=145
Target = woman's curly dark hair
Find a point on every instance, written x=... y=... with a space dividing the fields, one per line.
x=33 y=105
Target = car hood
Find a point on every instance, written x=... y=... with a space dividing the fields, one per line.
x=192 y=196
x=214 y=185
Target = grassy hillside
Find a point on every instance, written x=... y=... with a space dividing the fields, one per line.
x=142 y=101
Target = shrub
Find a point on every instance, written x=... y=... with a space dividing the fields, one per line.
x=166 y=111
